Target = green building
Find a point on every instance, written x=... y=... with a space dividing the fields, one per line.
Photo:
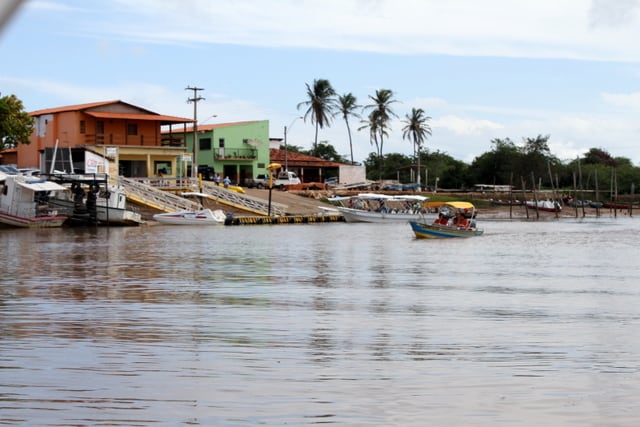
x=238 y=150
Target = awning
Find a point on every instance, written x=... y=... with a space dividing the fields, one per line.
x=40 y=185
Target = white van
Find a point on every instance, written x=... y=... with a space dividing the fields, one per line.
x=286 y=178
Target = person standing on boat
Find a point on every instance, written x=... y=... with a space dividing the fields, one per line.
x=226 y=182
x=216 y=178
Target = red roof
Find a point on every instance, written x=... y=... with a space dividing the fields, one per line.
x=77 y=107
x=298 y=159
x=87 y=108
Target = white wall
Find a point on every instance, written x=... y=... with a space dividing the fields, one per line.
x=352 y=174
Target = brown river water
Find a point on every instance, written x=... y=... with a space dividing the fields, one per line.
x=534 y=323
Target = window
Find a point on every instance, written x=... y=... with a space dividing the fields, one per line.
x=221 y=143
x=100 y=127
x=162 y=168
x=204 y=144
x=83 y=126
x=132 y=129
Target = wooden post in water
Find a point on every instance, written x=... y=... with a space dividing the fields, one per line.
x=575 y=195
x=614 y=192
x=535 y=195
x=597 y=193
x=581 y=188
x=511 y=196
x=554 y=194
x=633 y=190
x=524 y=196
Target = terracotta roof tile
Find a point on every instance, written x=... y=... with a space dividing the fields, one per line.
x=80 y=107
x=298 y=159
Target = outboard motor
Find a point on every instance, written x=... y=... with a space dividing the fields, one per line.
x=229 y=219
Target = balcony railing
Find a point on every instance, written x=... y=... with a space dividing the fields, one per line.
x=235 y=154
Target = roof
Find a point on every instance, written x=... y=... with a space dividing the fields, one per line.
x=298 y=159
x=87 y=109
x=38 y=184
x=79 y=107
x=455 y=205
x=205 y=128
x=151 y=117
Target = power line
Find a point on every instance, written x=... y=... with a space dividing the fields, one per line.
x=195 y=99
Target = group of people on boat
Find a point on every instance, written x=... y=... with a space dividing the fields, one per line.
x=459 y=219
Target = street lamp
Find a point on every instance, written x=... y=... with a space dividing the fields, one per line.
x=286 y=150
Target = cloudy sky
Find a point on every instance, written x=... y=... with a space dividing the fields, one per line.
x=481 y=70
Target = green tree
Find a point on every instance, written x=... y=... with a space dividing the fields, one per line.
x=598 y=156
x=395 y=166
x=320 y=105
x=16 y=125
x=328 y=152
x=416 y=129
x=497 y=166
x=379 y=118
x=347 y=106
x=376 y=132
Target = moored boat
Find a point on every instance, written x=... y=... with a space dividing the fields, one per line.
x=199 y=217
x=90 y=201
x=373 y=207
x=544 y=205
x=24 y=202
x=455 y=220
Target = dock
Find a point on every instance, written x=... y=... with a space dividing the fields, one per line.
x=288 y=219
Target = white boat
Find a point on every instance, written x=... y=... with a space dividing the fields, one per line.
x=91 y=200
x=24 y=202
x=544 y=205
x=373 y=207
x=201 y=217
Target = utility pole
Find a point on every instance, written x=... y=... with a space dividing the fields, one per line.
x=195 y=99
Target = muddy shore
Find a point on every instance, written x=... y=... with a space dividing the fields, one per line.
x=309 y=203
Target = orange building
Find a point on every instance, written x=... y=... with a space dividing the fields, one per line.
x=111 y=136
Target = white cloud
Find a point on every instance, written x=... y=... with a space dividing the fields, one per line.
x=545 y=28
x=625 y=100
x=465 y=125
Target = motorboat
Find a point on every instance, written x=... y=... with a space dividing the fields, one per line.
x=24 y=201
x=90 y=201
x=197 y=217
x=375 y=207
x=455 y=219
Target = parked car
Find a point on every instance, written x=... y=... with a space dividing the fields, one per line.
x=260 y=181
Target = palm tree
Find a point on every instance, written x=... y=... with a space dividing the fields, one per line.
x=381 y=113
x=416 y=129
x=347 y=107
x=321 y=105
x=377 y=131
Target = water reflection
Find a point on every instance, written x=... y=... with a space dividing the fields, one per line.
x=351 y=324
